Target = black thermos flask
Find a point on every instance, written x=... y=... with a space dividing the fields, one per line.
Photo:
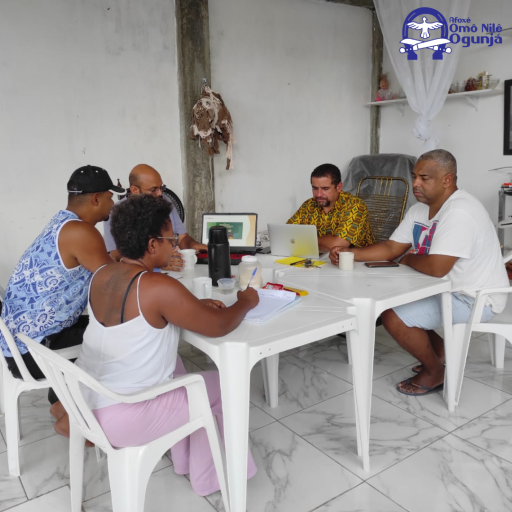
x=219 y=262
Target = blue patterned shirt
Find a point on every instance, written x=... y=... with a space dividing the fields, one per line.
x=43 y=296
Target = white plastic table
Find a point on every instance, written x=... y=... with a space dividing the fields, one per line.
x=372 y=291
x=314 y=318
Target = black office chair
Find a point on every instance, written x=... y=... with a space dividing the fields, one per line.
x=176 y=202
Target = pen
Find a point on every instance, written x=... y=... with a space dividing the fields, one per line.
x=297 y=262
x=253 y=274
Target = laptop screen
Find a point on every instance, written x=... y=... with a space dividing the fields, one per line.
x=241 y=227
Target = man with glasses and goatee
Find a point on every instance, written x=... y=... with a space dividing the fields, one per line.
x=144 y=179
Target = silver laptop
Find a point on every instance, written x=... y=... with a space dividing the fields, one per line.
x=293 y=240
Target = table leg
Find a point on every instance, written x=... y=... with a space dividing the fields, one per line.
x=497 y=347
x=270 y=370
x=235 y=370
x=453 y=353
x=362 y=347
x=352 y=336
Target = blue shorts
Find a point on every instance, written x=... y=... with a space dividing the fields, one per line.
x=426 y=313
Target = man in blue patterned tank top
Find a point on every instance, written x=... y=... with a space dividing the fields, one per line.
x=47 y=291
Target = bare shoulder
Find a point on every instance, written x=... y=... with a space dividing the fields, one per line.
x=81 y=234
x=76 y=228
x=161 y=285
x=82 y=244
x=161 y=279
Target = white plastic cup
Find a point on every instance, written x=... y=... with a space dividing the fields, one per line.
x=202 y=287
x=346 y=260
x=189 y=258
x=226 y=284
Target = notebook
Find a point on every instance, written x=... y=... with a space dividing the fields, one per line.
x=272 y=302
x=241 y=228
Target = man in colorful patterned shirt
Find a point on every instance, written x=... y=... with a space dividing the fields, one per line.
x=47 y=291
x=341 y=219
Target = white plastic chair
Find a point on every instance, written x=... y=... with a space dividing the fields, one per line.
x=499 y=329
x=12 y=389
x=496 y=339
x=129 y=468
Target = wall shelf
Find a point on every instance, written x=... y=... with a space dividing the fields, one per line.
x=472 y=97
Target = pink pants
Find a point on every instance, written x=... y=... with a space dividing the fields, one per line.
x=137 y=424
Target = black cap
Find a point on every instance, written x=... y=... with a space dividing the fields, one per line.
x=90 y=179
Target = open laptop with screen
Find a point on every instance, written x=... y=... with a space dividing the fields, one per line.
x=293 y=240
x=241 y=228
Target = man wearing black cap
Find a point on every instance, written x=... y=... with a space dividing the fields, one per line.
x=47 y=292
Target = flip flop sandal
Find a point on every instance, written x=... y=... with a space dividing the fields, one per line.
x=418 y=368
x=427 y=391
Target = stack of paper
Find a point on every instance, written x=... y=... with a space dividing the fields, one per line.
x=271 y=303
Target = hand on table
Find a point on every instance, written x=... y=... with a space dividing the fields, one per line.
x=215 y=304
x=333 y=254
x=176 y=262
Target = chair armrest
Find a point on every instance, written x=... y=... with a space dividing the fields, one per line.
x=2 y=292
x=76 y=375
x=187 y=381
x=479 y=304
x=482 y=295
x=491 y=291
x=69 y=352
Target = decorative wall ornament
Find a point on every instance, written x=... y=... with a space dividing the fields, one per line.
x=211 y=122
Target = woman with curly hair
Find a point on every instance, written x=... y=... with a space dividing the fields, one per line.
x=131 y=342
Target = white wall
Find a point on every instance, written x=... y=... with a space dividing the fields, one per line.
x=295 y=75
x=89 y=81
x=83 y=82
x=474 y=137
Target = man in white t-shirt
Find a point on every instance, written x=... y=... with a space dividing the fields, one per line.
x=448 y=233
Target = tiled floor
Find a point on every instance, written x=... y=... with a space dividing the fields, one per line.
x=422 y=457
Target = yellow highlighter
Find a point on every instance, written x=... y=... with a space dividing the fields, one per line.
x=302 y=293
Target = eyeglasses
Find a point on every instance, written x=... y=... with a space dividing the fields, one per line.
x=174 y=239
x=154 y=190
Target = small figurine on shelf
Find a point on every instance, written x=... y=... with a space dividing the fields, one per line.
x=471 y=84
x=384 y=93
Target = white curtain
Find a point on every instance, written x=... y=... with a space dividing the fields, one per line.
x=425 y=81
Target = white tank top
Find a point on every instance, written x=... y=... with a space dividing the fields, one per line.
x=128 y=357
